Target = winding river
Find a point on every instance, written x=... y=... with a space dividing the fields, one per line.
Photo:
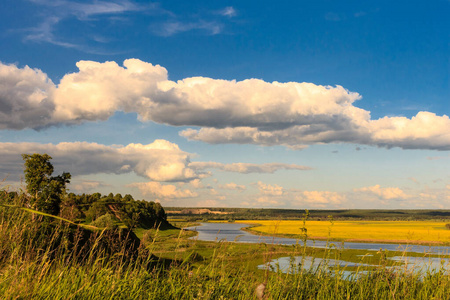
x=232 y=232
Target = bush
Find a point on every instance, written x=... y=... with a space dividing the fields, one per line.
x=105 y=221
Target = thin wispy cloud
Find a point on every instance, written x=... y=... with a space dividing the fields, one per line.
x=45 y=33
x=360 y=14
x=228 y=11
x=206 y=24
x=84 y=10
x=247 y=168
x=232 y=186
x=162 y=22
x=81 y=185
x=174 y=27
x=54 y=13
x=437 y=157
x=331 y=16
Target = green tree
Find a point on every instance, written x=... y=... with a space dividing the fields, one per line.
x=46 y=191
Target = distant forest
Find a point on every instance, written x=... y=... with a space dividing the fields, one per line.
x=230 y=214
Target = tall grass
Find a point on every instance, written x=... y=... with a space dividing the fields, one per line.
x=42 y=261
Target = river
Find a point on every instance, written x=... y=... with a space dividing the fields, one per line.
x=232 y=232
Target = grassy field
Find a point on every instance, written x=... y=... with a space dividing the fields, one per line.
x=413 y=232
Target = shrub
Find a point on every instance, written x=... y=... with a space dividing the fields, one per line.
x=105 y=221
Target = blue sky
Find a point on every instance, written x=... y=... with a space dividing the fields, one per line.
x=312 y=104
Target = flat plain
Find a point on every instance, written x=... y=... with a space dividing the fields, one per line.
x=413 y=232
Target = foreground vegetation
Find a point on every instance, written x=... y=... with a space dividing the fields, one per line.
x=168 y=265
x=409 y=232
x=113 y=247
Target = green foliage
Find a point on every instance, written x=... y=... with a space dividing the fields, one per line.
x=38 y=170
x=96 y=210
x=106 y=221
x=131 y=213
x=46 y=191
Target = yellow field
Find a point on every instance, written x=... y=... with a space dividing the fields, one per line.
x=414 y=232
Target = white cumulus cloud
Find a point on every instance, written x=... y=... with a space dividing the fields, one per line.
x=251 y=111
x=25 y=98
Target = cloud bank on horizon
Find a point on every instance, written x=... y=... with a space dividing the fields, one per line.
x=251 y=111
x=160 y=161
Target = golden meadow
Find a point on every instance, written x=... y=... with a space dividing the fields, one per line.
x=413 y=232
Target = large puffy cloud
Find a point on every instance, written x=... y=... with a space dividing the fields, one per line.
x=249 y=111
x=158 y=161
x=425 y=128
x=246 y=168
x=254 y=103
x=100 y=89
x=26 y=98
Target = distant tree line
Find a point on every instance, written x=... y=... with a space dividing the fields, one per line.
x=319 y=214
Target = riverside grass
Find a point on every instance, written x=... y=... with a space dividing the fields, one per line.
x=413 y=232
x=199 y=270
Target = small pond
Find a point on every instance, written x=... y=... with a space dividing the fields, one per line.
x=295 y=264
x=421 y=265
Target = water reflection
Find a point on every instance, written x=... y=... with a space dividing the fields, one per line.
x=296 y=264
x=233 y=232
x=422 y=264
x=293 y=265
